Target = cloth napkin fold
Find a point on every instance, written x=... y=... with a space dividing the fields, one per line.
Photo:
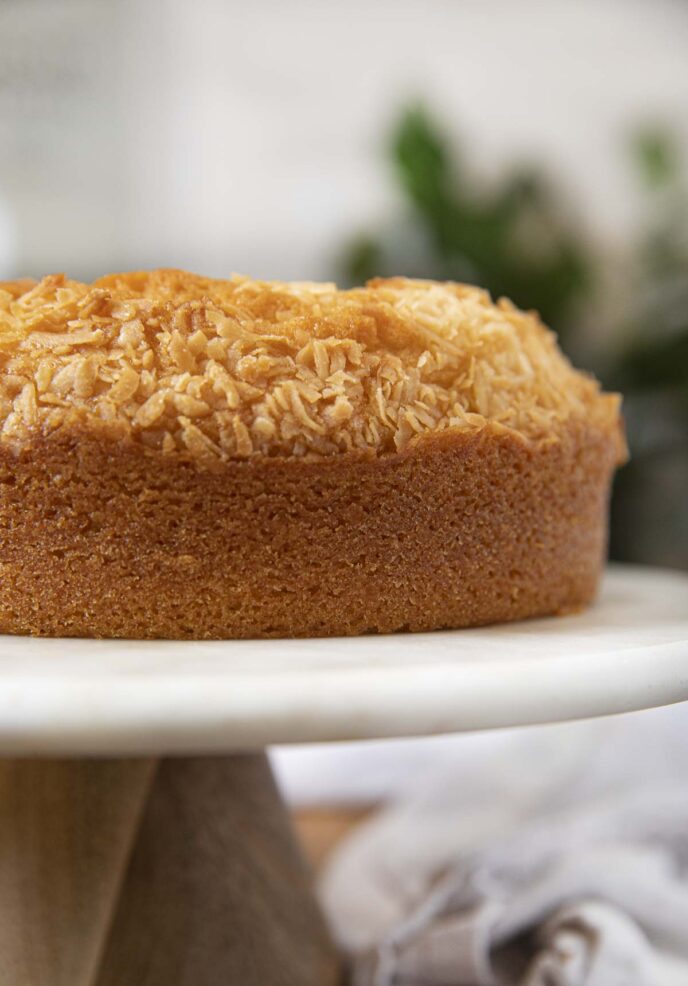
x=557 y=858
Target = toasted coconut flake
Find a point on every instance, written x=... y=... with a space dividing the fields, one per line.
x=151 y=411
x=244 y=445
x=125 y=386
x=85 y=377
x=81 y=337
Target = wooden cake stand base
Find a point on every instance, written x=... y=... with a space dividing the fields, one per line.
x=177 y=872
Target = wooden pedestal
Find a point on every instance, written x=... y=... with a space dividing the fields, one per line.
x=177 y=872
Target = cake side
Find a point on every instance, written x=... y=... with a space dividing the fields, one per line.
x=232 y=369
x=109 y=538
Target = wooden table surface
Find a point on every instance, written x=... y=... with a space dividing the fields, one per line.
x=321 y=829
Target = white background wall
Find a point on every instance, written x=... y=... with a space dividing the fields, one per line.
x=250 y=135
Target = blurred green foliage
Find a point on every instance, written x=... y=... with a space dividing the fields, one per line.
x=515 y=238
x=655 y=351
x=650 y=364
x=510 y=238
x=656 y=155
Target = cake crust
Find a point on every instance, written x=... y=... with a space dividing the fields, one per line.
x=459 y=530
x=111 y=527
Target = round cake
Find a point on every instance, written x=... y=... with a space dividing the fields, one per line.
x=182 y=457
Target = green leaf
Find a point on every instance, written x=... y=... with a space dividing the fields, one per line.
x=653 y=361
x=363 y=259
x=422 y=159
x=656 y=156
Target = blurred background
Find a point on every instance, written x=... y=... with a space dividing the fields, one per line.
x=537 y=148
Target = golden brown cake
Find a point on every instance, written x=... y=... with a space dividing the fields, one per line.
x=196 y=458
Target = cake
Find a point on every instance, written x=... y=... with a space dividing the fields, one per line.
x=183 y=457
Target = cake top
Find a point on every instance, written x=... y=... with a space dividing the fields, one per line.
x=226 y=369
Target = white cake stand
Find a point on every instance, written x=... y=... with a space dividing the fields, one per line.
x=182 y=871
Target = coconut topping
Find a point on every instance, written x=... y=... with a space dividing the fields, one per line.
x=235 y=368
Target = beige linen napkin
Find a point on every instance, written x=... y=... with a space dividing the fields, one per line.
x=560 y=859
